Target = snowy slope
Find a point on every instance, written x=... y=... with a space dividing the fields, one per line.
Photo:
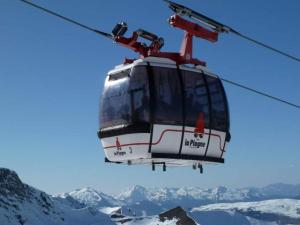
x=279 y=211
x=92 y=198
x=284 y=207
x=21 y=204
x=142 y=201
x=149 y=221
x=137 y=203
x=176 y=216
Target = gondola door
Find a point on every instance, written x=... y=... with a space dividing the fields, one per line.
x=124 y=118
x=197 y=114
x=168 y=112
x=219 y=118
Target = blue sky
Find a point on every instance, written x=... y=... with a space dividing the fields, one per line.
x=51 y=78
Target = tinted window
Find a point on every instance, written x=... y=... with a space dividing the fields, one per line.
x=219 y=111
x=125 y=98
x=139 y=95
x=196 y=98
x=168 y=96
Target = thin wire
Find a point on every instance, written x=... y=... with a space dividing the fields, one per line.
x=265 y=45
x=223 y=79
x=260 y=93
x=67 y=19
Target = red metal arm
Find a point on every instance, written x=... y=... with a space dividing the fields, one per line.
x=133 y=44
x=193 y=28
x=185 y=56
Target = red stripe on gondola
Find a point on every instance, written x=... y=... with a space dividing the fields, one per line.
x=160 y=138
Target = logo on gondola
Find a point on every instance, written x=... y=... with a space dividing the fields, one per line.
x=200 y=124
x=119 y=151
x=119 y=148
x=198 y=133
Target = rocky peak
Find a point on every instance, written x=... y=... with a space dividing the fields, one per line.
x=134 y=194
x=220 y=190
x=11 y=184
x=179 y=214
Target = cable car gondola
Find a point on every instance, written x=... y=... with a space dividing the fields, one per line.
x=165 y=108
x=154 y=111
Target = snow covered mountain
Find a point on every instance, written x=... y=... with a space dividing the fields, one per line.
x=134 y=194
x=176 y=216
x=189 y=196
x=21 y=204
x=140 y=201
x=91 y=197
x=269 y=212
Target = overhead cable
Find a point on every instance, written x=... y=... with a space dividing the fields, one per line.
x=223 y=79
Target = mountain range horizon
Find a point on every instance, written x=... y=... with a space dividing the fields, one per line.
x=138 y=186
x=21 y=204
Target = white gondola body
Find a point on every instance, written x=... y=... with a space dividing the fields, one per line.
x=167 y=143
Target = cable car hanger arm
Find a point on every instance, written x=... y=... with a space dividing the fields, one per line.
x=179 y=9
x=219 y=27
x=153 y=49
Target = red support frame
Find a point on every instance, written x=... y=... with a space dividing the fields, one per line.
x=185 y=56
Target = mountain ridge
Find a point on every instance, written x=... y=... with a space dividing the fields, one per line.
x=21 y=204
x=218 y=194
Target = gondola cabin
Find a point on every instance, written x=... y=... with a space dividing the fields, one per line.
x=154 y=111
x=165 y=108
